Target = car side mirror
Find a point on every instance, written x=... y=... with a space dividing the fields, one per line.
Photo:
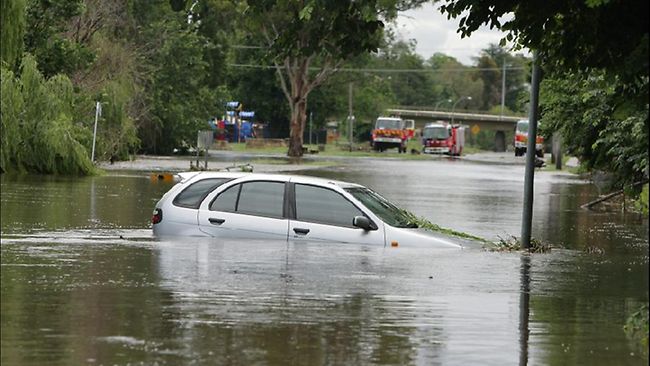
x=364 y=223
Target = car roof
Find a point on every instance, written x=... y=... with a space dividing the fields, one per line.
x=197 y=175
x=186 y=176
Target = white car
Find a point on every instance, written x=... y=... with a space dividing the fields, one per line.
x=284 y=207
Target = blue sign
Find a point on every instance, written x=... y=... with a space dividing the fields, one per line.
x=232 y=104
x=246 y=114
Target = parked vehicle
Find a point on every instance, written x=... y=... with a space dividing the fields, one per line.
x=521 y=140
x=389 y=132
x=443 y=138
x=285 y=207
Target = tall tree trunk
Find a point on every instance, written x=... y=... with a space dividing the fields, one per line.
x=298 y=117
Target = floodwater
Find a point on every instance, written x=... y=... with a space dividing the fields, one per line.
x=84 y=282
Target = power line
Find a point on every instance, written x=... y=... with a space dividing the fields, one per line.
x=467 y=69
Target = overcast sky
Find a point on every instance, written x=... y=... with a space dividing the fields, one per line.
x=435 y=33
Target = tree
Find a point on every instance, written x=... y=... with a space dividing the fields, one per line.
x=412 y=88
x=38 y=132
x=12 y=30
x=46 y=38
x=309 y=40
x=596 y=128
x=453 y=80
x=572 y=34
x=595 y=49
x=489 y=73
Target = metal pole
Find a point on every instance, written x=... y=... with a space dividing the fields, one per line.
x=503 y=87
x=350 y=113
x=454 y=107
x=98 y=111
x=311 y=115
x=529 y=177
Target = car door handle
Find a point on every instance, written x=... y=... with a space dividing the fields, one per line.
x=298 y=230
x=214 y=221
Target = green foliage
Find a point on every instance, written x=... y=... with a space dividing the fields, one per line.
x=636 y=329
x=571 y=35
x=642 y=202
x=605 y=130
x=483 y=140
x=180 y=103
x=12 y=30
x=45 y=37
x=409 y=88
x=38 y=131
x=428 y=225
x=301 y=35
x=513 y=244
x=453 y=80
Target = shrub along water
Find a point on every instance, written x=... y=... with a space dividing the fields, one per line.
x=37 y=131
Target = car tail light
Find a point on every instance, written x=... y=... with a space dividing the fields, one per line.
x=157 y=216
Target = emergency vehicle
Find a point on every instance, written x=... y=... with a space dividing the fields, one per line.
x=443 y=138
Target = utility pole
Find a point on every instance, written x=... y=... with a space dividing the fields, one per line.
x=529 y=176
x=98 y=112
x=350 y=113
x=503 y=87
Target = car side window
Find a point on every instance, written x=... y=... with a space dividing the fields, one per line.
x=325 y=206
x=226 y=200
x=193 y=194
x=256 y=198
x=261 y=198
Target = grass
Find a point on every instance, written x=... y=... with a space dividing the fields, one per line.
x=342 y=149
x=428 y=225
x=513 y=244
x=297 y=162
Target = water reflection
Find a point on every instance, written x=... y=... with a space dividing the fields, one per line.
x=524 y=310
x=84 y=282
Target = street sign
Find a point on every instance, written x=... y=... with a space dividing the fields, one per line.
x=475 y=129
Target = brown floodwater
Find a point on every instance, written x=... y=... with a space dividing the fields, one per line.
x=83 y=281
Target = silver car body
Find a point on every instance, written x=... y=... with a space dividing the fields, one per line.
x=205 y=220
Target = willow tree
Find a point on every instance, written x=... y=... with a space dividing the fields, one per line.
x=12 y=30
x=308 y=40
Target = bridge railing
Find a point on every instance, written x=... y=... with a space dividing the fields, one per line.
x=457 y=110
x=458 y=114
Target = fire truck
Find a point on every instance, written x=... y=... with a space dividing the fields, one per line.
x=521 y=140
x=389 y=132
x=443 y=138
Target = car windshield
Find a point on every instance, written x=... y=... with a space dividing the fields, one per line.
x=522 y=126
x=391 y=124
x=436 y=133
x=388 y=212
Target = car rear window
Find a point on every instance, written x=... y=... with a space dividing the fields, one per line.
x=262 y=198
x=193 y=195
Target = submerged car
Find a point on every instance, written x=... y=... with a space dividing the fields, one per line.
x=284 y=207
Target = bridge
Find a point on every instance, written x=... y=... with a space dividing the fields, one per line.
x=476 y=122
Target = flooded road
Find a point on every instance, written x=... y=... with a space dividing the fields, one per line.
x=84 y=281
